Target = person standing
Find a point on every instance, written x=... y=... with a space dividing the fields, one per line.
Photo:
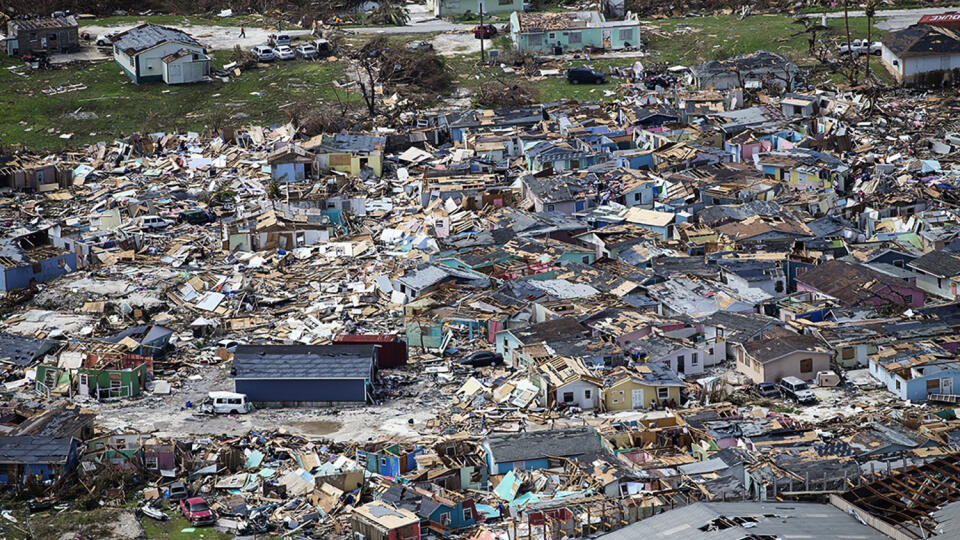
x=243 y=31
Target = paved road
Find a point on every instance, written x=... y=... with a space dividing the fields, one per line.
x=214 y=37
x=896 y=19
x=422 y=21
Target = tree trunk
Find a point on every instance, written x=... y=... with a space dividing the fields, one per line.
x=866 y=76
x=846 y=23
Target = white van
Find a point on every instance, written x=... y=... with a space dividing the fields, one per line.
x=225 y=403
x=154 y=222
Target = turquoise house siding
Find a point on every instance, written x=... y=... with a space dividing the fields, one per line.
x=597 y=33
x=455 y=8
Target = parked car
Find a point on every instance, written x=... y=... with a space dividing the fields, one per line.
x=263 y=53
x=583 y=74
x=278 y=40
x=768 y=390
x=177 y=491
x=285 y=52
x=420 y=46
x=307 y=51
x=196 y=217
x=663 y=81
x=797 y=390
x=197 y=511
x=154 y=222
x=860 y=46
x=482 y=359
x=225 y=403
x=105 y=40
x=484 y=31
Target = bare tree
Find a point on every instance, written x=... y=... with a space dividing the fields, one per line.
x=846 y=22
x=870 y=9
x=811 y=28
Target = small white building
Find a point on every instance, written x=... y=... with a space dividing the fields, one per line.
x=150 y=52
x=920 y=49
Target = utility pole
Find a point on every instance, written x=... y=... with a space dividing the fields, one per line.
x=483 y=56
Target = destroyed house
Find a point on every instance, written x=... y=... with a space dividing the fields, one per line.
x=511 y=342
x=916 y=371
x=754 y=69
x=153 y=53
x=349 y=153
x=572 y=31
x=33 y=458
x=50 y=35
x=540 y=449
x=273 y=229
x=428 y=277
x=555 y=194
x=561 y=156
x=390 y=350
x=378 y=520
x=567 y=382
x=30 y=258
x=290 y=163
x=19 y=175
x=303 y=374
x=96 y=369
x=461 y=122
x=22 y=351
x=854 y=285
x=442 y=511
x=389 y=459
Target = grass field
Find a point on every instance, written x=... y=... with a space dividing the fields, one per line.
x=33 y=119
x=709 y=38
x=262 y=96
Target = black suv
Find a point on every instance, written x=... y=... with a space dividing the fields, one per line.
x=580 y=74
x=196 y=217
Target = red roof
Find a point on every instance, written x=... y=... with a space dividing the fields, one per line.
x=365 y=338
x=940 y=19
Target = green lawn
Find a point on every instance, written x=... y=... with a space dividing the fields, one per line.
x=259 y=96
x=710 y=38
x=178 y=528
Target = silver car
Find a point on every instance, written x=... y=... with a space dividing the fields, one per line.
x=306 y=51
x=263 y=53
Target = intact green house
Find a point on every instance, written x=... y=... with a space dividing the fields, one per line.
x=455 y=8
x=572 y=31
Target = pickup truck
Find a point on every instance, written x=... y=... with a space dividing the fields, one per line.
x=860 y=46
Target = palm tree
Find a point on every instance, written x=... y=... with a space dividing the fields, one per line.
x=389 y=13
x=870 y=9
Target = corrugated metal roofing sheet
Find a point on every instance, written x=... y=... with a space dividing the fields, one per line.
x=145 y=36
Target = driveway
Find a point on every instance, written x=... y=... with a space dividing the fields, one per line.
x=896 y=19
x=212 y=37
x=421 y=21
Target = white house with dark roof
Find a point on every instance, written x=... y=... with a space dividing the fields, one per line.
x=911 y=53
x=150 y=52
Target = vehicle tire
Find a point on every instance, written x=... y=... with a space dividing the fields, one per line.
x=234 y=411
x=598 y=81
x=574 y=81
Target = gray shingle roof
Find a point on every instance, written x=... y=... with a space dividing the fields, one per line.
x=23 y=351
x=510 y=447
x=301 y=362
x=29 y=449
x=145 y=36
x=792 y=520
x=938 y=263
